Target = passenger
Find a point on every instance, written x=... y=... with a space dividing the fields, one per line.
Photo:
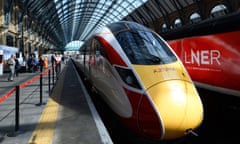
x=17 y=67
x=57 y=61
x=35 y=65
x=11 y=65
x=30 y=63
x=45 y=62
x=52 y=59
x=63 y=59
x=24 y=65
x=40 y=63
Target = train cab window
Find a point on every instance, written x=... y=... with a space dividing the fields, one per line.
x=145 y=47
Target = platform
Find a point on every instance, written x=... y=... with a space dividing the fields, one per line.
x=65 y=115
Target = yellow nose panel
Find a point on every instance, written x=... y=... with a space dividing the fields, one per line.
x=174 y=96
x=179 y=106
x=152 y=74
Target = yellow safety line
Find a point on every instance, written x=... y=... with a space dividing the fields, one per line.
x=43 y=133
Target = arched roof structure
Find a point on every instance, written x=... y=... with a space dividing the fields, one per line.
x=68 y=20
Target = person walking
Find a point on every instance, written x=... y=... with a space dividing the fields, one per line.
x=11 y=65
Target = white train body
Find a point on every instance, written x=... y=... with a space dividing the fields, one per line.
x=142 y=80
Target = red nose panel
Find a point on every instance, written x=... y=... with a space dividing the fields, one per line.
x=113 y=56
x=149 y=121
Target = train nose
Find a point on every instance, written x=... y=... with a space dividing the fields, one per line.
x=178 y=106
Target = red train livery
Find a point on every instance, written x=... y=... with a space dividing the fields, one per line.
x=213 y=61
x=141 y=79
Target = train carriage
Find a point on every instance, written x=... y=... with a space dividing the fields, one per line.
x=142 y=80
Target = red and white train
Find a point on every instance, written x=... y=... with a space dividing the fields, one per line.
x=213 y=60
x=142 y=80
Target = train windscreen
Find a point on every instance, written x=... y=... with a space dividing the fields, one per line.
x=145 y=47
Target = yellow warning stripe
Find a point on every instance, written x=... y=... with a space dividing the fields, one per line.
x=43 y=133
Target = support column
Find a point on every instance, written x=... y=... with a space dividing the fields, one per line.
x=3 y=35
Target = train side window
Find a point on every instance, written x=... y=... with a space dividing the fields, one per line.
x=195 y=17
x=85 y=51
x=98 y=47
x=219 y=10
x=87 y=48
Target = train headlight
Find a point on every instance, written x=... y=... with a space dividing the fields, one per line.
x=128 y=77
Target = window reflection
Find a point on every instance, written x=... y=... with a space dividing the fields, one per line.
x=145 y=47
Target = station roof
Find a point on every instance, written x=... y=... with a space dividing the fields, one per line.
x=155 y=9
x=70 y=20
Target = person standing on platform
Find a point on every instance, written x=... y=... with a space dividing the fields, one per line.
x=53 y=59
x=40 y=63
x=17 y=67
x=35 y=65
x=30 y=63
x=11 y=65
x=63 y=59
x=57 y=61
x=45 y=62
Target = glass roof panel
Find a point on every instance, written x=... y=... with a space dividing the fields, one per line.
x=69 y=20
x=91 y=15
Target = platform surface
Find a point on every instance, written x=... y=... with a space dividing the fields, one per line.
x=66 y=114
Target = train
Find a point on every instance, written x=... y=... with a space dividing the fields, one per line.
x=212 y=60
x=142 y=80
x=210 y=51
